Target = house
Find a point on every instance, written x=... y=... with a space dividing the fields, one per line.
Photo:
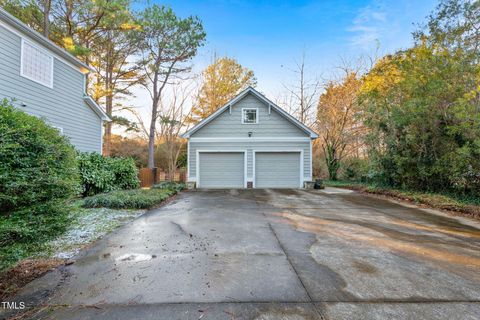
x=250 y=143
x=46 y=81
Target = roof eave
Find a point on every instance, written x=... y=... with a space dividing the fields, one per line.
x=97 y=109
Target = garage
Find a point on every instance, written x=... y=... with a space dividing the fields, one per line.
x=277 y=169
x=249 y=143
x=221 y=170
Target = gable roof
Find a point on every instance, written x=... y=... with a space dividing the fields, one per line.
x=39 y=38
x=261 y=97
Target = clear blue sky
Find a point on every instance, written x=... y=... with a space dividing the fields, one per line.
x=269 y=36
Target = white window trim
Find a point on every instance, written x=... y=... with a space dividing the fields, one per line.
x=256 y=116
x=197 y=164
x=60 y=129
x=50 y=85
x=254 y=155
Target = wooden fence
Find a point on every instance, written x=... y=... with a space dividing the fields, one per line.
x=148 y=177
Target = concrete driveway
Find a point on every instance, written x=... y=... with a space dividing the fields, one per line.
x=273 y=254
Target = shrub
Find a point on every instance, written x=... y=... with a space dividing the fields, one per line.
x=125 y=172
x=37 y=173
x=95 y=174
x=129 y=199
x=101 y=174
x=37 y=163
x=177 y=186
x=355 y=169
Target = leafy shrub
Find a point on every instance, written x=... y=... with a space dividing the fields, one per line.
x=125 y=172
x=355 y=169
x=177 y=186
x=37 y=163
x=95 y=173
x=129 y=199
x=102 y=174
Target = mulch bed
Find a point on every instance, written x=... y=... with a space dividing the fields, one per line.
x=470 y=211
x=23 y=272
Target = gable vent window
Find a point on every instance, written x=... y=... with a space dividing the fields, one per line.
x=36 y=64
x=249 y=116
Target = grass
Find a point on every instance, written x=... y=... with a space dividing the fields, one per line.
x=129 y=199
x=469 y=206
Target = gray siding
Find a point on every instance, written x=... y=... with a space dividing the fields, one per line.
x=249 y=147
x=62 y=106
x=269 y=125
x=277 y=169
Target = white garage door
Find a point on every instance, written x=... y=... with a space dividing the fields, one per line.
x=221 y=170
x=277 y=169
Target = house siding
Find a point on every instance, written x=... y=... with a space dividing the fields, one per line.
x=61 y=106
x=269 y=124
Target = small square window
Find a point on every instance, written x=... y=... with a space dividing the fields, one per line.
x=249 y=116
x=36 y=64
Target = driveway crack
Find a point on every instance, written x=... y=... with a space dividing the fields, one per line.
x=296 y=272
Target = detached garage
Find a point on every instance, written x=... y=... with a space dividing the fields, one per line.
x=250 y=143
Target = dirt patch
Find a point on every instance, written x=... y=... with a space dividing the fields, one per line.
x=364 y=267
x=24 y=272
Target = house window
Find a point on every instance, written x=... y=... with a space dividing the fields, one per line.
x=249 y=116
x=36 y=64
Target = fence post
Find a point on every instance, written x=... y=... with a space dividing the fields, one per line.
x=154 y=172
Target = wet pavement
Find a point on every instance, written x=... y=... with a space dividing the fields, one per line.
x=273 y=254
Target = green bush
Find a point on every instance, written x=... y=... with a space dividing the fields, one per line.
x=38 y=173
x=125 y=172
x=355 y=169
x=102 y=174
x=24 y=232
x=95 y=173
x=129 y=199
x=37 y=163
x=177 y=186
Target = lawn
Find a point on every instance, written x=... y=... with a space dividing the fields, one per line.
x=469 y=206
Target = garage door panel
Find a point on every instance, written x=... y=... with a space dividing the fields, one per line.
x=277 y=169
x=221 y=169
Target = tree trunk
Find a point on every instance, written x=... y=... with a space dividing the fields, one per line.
x=108 y=127
x=46 y=17
x=108 y=107
x=332 y=162
x=151 y=135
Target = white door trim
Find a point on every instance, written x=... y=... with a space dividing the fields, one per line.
x=197 y=164
x=254 y=169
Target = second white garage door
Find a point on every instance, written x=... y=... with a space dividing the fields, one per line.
x=221 y=170
x=277 y=169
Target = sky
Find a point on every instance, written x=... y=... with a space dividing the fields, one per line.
x=269 y=37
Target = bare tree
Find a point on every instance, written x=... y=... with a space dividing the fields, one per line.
x=173 y=118
x=302 y=96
